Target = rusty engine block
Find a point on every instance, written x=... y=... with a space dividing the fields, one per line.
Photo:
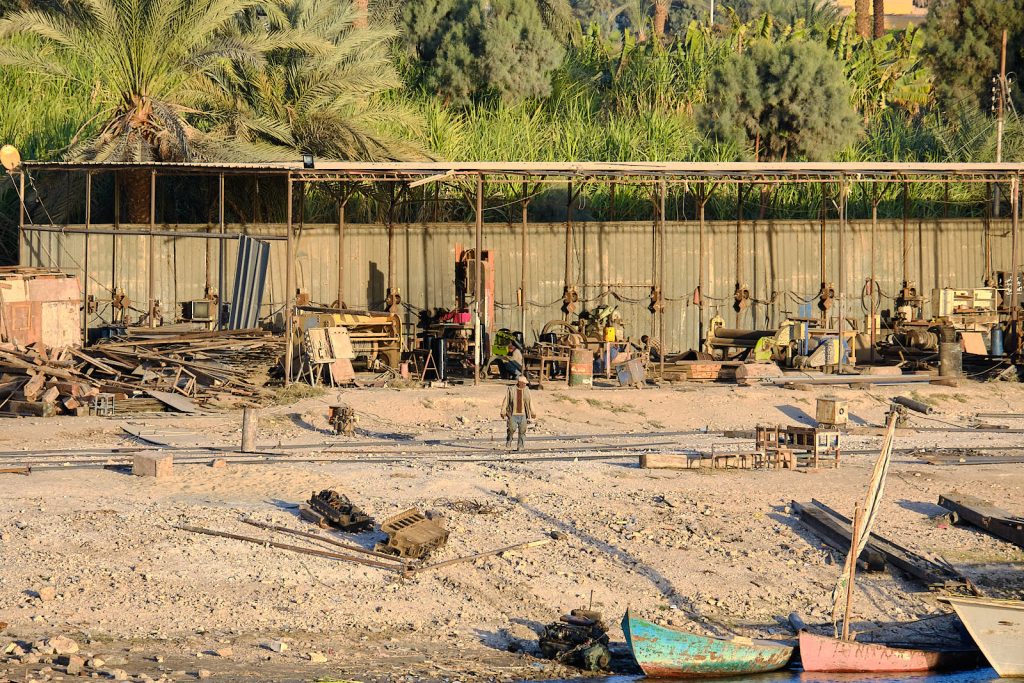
x=411 y=534
x=339 y=511
x=579 y=639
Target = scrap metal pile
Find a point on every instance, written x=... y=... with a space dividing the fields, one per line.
x=138 y=373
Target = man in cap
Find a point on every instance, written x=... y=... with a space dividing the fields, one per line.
x=517 y=410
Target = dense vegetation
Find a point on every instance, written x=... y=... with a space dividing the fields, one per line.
x=507 y=80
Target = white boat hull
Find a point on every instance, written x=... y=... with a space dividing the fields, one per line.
x=997 y=626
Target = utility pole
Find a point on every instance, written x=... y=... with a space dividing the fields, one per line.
x=1000 y=102
x=712 y=22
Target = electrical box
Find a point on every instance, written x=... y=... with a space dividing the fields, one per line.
x=832 y=412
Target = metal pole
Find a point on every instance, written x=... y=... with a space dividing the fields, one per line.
x=824 y=258
x=841 y=285
x=478 y=293
x=1000 y=97
x=700 y=271
x=21 y=213
x=568 y=249
x=874 y=306
x=222 y=276
x=523 y=268
x=661 y=278
x=739 y=228
x=85 y=259
x=906 y=209
x=152 y=249
x=341 y=252
x=1015 y=227
x=289 y=286
x=113 y=240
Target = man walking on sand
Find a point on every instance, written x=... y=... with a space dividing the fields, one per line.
x=517 y=410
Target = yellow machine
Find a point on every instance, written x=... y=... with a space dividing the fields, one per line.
x=376 y=336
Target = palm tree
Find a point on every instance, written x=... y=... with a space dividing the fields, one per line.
x=878 y=6
x=328 y=98
x=148 y=65
x=862 y=12
x=661 y=8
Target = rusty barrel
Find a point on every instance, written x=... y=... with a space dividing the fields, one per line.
x=581 y=368
x=951 y=360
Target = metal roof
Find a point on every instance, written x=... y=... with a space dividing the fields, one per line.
x=413 y=170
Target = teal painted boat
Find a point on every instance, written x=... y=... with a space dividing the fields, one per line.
x=665 y=652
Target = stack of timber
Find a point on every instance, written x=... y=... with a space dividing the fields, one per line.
x=143 y=373
x=699 y=371
x=42 y=382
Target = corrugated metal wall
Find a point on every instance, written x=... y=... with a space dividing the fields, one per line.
x=779 y=260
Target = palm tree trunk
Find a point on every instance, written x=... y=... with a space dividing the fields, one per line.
x=135 y=185
x=363 y=10
x=879 y=7
x=862 y=13
x=660 y=16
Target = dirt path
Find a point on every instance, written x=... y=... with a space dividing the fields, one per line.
x=711 y=550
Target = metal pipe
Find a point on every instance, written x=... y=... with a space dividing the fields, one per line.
x=906 y=208
x=289 y=285
x=478 y=293
x=152 y=249
x=341 y=252
x=113 y=242
x=661 y=279
x=568 y=248
x=524 y=262
x=871 y=291
x=1015 y=228
x=739 y=266
x=824 y=257
x=85 y=259
x=700 y=270
x=222 y=276
x=147 y=233
x=841 y=285
x=21 y=213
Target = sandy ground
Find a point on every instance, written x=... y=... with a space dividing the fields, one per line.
x=712 y=551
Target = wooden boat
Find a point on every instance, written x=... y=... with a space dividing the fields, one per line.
x=825 y=654
x=997 y=626
x=672 y=653
x=828 y=654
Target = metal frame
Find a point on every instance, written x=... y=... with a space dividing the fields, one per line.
x=413 y=174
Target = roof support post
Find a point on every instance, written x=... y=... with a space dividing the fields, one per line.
x=478 y=346
x=21 y=213
x=661 y=276
x=85 y=259
x=568 y=285
x=841 y=284
x=113 y=240
x=289 y=286
x=1015 y=269
x=701 y=272
x=523 y=264
x=341 y=250
x=222 y=276
x=151 y=259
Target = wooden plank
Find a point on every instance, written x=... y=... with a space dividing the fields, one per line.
x=668 y=461
x=926 y=571
x=835 y=533
x=985 y=515
x=175 y=401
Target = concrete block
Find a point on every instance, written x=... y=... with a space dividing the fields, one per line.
x=153 y=465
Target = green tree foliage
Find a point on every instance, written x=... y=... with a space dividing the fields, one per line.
x=328 y=96
x=467 y=50
x=148 y=64
x=963 y=43
x=782 y=101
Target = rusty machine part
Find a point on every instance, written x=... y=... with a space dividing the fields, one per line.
x=339 y=511
x=741 y=297
x=411 y=534
x=826 y=296
x=579 y=639
x=570 y=297
x=343 y=418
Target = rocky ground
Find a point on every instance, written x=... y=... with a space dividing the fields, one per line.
x=94 y=575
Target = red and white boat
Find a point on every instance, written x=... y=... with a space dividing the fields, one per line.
x=825 y=654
